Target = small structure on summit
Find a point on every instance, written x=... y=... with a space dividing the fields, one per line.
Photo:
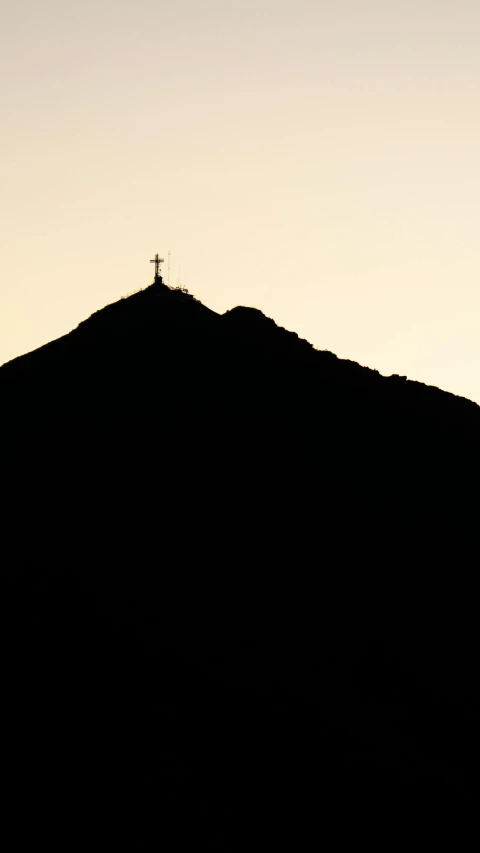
x=157 y=261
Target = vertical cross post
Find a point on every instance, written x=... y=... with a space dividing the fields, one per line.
x=157 y=261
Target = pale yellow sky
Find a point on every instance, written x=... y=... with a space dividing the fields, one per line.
x=318 y=160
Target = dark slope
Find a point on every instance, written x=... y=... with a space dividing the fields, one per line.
x=239 y=588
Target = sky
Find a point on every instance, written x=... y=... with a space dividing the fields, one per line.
x=316 y=159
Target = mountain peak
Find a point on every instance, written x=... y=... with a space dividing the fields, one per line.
x=227 y=552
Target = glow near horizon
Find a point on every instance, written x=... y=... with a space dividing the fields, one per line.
x=317 y=160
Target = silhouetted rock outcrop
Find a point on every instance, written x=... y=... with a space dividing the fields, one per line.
x=239 y=587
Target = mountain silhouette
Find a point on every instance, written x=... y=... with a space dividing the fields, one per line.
x=239 y=590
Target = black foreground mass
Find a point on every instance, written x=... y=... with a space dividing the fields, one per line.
x=239 y=592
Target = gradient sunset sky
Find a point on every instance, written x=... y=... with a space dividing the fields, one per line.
x=317 y=159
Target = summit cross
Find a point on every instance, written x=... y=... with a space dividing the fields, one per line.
x=157 y=261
